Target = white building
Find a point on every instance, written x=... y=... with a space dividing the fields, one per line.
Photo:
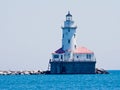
x=69 y=50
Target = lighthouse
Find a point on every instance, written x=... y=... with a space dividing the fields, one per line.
x=68 y=37
x=69 y=58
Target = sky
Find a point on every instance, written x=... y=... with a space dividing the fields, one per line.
x=30 y=30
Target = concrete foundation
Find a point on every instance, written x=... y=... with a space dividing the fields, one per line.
x=72 y=67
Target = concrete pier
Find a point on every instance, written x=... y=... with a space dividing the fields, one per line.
x=72 y=67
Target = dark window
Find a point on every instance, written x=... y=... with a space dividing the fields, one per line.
x=69 y=41
x=68 y=30
x=75 y=46
x=74 y=35
x=77 y=56
x=56 y=56
x=88 y=56
x=61 y=56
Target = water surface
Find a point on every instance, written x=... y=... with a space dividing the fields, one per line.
x=61 y=82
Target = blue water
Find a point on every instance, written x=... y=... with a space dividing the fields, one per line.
x=61 y=82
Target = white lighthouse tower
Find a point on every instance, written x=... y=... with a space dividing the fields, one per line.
x=68 y=37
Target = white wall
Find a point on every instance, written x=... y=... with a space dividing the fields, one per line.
x=83 y=57
x=59 y=57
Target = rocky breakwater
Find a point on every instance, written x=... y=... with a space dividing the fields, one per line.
x=34 y=72
x=38 y=72
x=101 y=71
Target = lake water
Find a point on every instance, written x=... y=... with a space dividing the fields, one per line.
x=61 y=82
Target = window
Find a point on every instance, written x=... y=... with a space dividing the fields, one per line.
x=68 y=30
x=63 y=35
x=56 y=56
x=75 y=46
x=61 y=56
x=74 y=35
x=77 y=56
x=88 y=56
x=69 y=41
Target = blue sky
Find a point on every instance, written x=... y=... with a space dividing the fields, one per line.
x=30 y=30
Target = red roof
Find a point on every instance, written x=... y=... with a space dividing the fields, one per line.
x=82 y=50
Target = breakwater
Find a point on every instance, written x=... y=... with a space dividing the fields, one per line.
x=38 y=72
x=25 y=72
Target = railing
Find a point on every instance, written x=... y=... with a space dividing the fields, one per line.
x=70 y=60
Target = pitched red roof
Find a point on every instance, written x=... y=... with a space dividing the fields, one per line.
x=82 y=50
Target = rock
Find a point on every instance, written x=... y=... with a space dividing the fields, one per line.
x=101 y=71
